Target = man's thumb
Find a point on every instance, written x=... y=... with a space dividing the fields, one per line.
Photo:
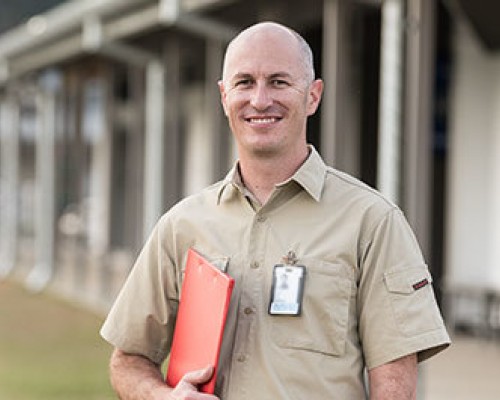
x=199 y=376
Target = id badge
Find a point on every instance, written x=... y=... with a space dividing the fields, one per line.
x=287 y=289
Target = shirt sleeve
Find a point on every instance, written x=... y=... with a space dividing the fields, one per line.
x=398 y=312
x=142 y=318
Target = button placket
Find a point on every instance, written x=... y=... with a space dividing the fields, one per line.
x=245 y=340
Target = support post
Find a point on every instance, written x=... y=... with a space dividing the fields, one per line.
x=417 y=127
x=391 y=97
x=330 y=115
x=338 y=138
x=9 y=183
x=153 y=170
x=213 y=108
x=43 y=269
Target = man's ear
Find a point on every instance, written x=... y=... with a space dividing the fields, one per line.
x=222 y=95
x=315 y=92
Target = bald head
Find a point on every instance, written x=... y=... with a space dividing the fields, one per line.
x=261 y=33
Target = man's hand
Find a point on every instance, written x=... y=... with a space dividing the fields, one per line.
x=186 y=389
x=137 y=378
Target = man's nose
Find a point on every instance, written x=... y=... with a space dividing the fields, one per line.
x=261 y=97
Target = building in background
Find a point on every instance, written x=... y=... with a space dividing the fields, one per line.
x=473 y=168
x=15 y=12
x=109 y=113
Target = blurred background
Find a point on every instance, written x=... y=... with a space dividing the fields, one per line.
x=109 y=114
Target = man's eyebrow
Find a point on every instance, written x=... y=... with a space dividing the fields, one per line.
x=274 y=75
x=241 y=75
x=281 y=74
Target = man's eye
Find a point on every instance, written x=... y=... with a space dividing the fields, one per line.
x=243 y=83
x=279 y=83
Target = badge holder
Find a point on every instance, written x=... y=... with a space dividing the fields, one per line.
x=287 y=290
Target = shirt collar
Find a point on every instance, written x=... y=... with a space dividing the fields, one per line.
x=231 y=185
x=310 y=176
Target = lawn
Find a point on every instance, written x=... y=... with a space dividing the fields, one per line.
x=49 y=349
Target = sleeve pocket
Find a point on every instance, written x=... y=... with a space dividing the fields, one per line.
x=412 y=300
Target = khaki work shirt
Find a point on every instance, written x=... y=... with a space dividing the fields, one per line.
x=367 y=296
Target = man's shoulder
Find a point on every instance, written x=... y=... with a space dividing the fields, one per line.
x=204 y=198
x=341 y=185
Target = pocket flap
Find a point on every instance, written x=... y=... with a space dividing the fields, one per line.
x=217 y=260
x=408 y=280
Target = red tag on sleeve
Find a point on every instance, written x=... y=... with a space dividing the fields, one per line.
x=421 y=284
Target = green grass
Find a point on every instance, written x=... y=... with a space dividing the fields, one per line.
x=50 y=349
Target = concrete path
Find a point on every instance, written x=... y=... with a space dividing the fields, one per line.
x=468 y=370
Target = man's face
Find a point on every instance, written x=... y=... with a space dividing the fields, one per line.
x=265 y=93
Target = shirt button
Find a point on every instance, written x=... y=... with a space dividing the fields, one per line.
x=248 y=310
x=254 y=265
x=261 y=218
x=241 y=358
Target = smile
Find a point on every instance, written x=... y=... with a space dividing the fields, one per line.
x=263 y=120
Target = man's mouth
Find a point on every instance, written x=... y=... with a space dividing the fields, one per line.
x=263 y=120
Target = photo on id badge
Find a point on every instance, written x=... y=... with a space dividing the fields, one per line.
x=286 y=291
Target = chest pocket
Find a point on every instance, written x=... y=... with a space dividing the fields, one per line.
x=323 y=323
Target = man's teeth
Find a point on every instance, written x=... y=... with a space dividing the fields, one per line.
x=263 y=120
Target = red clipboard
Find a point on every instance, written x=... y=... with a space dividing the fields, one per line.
x=204 y=302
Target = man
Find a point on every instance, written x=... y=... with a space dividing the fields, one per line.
x=365 y=292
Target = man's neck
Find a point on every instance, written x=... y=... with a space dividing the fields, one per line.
x=261 y=175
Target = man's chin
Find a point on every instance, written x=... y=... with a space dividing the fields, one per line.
x=264 y=151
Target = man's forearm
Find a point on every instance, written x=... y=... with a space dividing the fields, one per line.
x=396 y=380
x=134 y=377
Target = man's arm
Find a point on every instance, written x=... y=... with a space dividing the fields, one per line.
x=134 y=377
x=396 y=380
